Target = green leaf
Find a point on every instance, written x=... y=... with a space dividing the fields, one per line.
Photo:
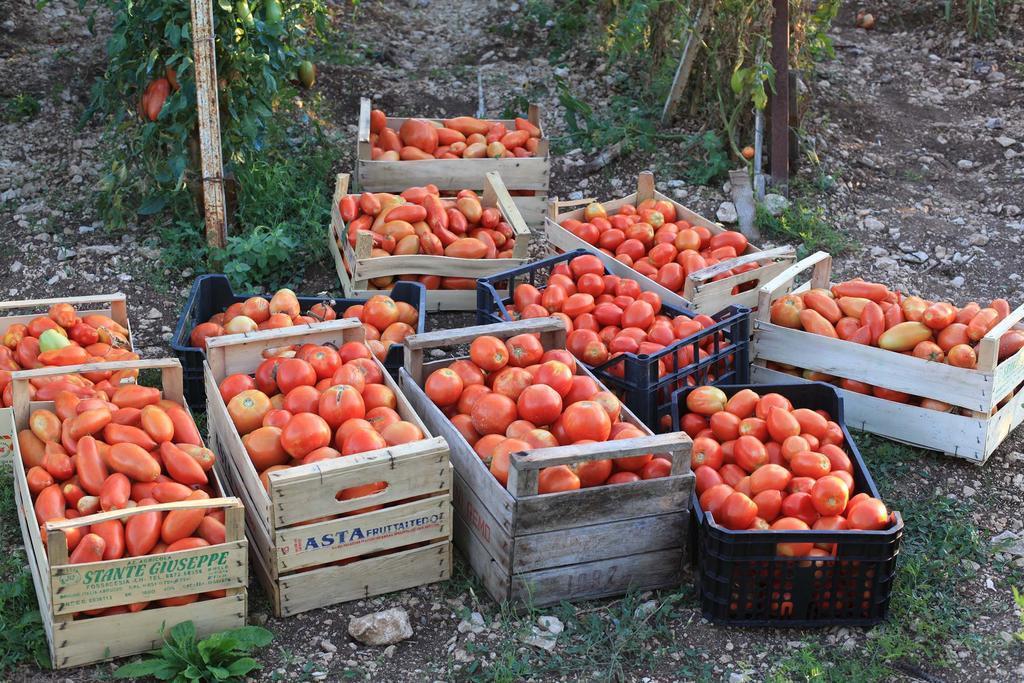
x=224 y=5
x=146 y=667
x=155 y=204
x=241 y=667
x=738 y=80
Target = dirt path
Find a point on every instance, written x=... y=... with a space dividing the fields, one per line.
x=895 y=117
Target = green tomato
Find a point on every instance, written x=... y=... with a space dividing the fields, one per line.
x=274 y=12
x=51 y=340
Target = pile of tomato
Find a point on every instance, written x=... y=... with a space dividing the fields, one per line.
x=607 y=316
x=870 y=313
x=463 y=137
x=514 y=395
x=421 y=221
x=385 y=321
x=91 y=455
x=761 y=464
x=314 y=403
x=650 y=238
x=58 y=338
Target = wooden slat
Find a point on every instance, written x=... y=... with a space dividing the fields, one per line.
x=590 y=580
x=821 y=273
x=79 y=587
x=600 y=504
x=204 y=58
x=308 y=590
x=970 y=389
x=528 y=173
x=101 y=638
x=956 y=435
x=308 y=492
x=601 y=541
x=491 y=535
x=425 y=520
x=493 y=574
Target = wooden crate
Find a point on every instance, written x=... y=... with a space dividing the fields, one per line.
x=701 y=293
x=356 y=284
x=307 y=551
x=115 y=306
x=541 y=549
x=63 y=589
x=978 y=392
x=530 y=174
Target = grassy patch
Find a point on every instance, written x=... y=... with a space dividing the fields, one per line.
x=806 y=225
x=928 y=618
x=22 y=639
x=21 y=107
x=283 y=206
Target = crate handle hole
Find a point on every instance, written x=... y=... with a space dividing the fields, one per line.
x=372 y=490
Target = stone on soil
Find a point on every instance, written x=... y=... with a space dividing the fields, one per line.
x=381 y=628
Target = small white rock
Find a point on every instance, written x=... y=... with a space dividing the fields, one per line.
x=965 y=164
x=727 y=212
x=551 y=624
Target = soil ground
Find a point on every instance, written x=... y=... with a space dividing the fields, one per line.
x=919 y=133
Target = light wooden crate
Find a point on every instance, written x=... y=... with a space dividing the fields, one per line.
x=701 y=293
x=529 y=174
x=364 y=268
x=114 y=306
x=979 y=391
x=541 y=549
x=308 y=550
x=63 y=589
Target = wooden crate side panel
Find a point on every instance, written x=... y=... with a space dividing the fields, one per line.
x=1003 y=422
x=717 y=295
x=219 y=424
x=423 y=264
x=573 y=509
x=259 y=537
x=492 y=574
x=308 y=492
x=426 y=520
x=259 y=563
x=600 y=542
x=235 y=353
x=533 y=210
x=957 y=435
x=527 y=173
x=1009 y=374
x=77 y=643
x=496 y=499
x=308 y=590
x=96 y=585
x=488 y=532
x=589 y=580
x=971 y=389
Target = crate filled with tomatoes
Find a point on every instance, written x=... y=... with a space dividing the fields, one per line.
x=122 y=514
x=663 y=242
x=394 y=153
x=790 y=527
x=928 y=373
x=347 y=494
x=643 y=344
x=445 y=240
x=214 y=309
x=63 y=331
x=561 y=493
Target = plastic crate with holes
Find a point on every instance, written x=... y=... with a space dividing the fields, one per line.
x=742 y=579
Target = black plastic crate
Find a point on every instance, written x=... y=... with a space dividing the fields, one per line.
x=637 y=377
x=212 y=294
x=743 y=582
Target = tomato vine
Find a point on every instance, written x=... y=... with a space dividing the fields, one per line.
x=154 y=164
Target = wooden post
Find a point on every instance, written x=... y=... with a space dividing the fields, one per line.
x=205 y=63
x=682 y=76
x=780 y=98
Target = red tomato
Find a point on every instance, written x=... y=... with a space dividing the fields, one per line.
x=750 y=454
x=830 y=495
x=705 y=452
x=489 y=353
x=742 y=403
x=583 y=389
x=801 y=506
x=725 y=426
x=468 y=371
x=511 y=381
x=305 y=433
x=524 y=350
x=540 y=404
x=713 y=498
x=586 y=420
x=232 y=385
x=443 y=387
x=706 y=400
x=593 y=472
x=325 y=361
x=266 y=376
x=705 y=478
x=837 y=457
x=868 y=514
x=493 y=413
x=791 y=549
x=810 y=464
x=769 y=504
x=339 y=404
x=782 y=424
x=294 y=372
x=731 y=473
x=693 y=423
x=769 y=401
x=556 y=375
x=769 y=477
x=737 y=511
x=656 y=468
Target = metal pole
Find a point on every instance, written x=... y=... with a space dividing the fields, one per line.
x=780 y=98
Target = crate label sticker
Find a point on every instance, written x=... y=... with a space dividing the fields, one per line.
x=470 y=515
x=1008 y=375
x=348 y=535
x=140 y=578
x=6 y=444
